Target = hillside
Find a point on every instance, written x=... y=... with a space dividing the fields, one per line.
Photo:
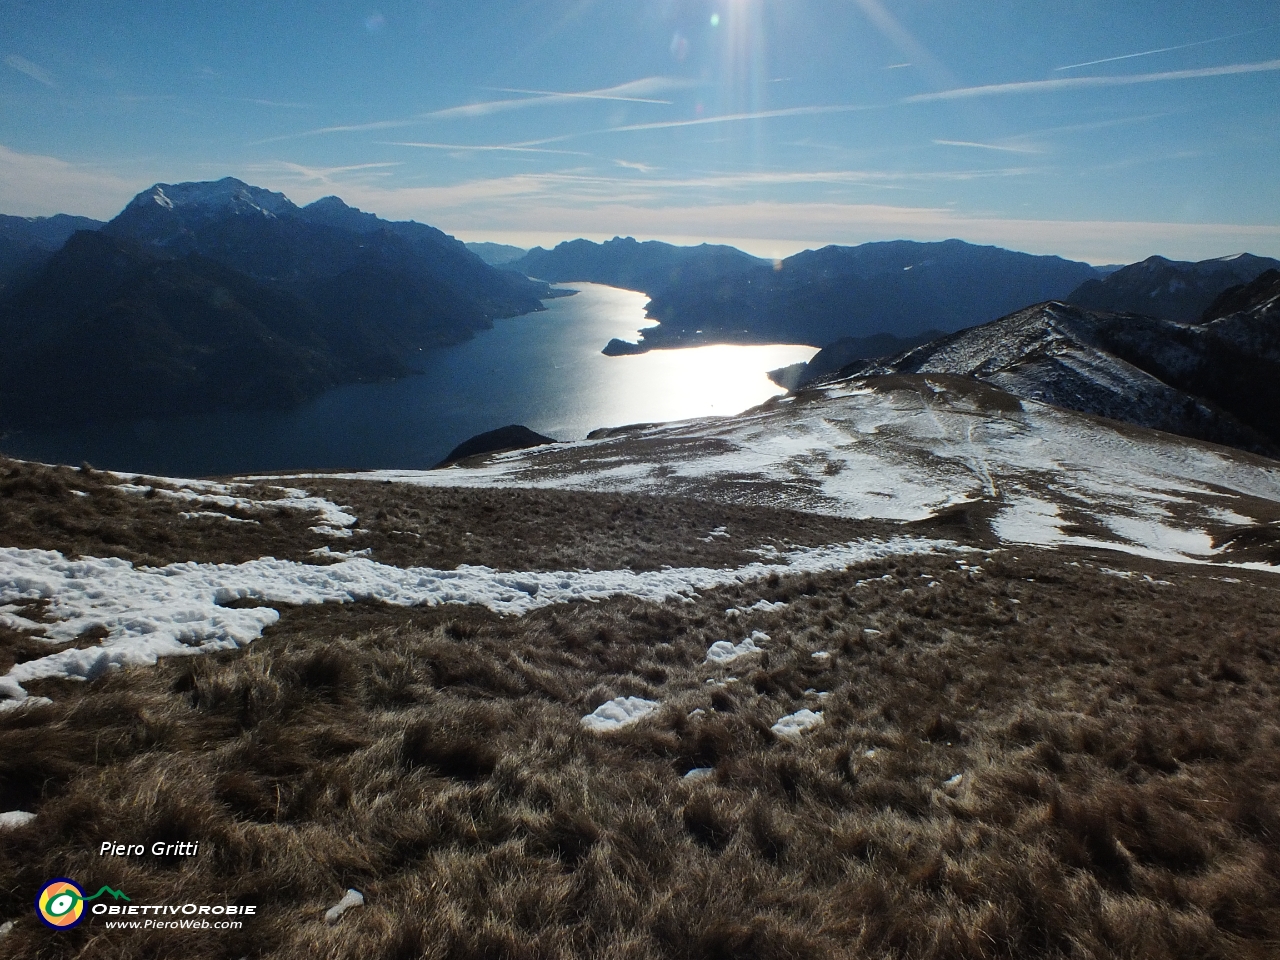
x=836 y=356
x=497 y=254
x=820 y=296
x=1169 y=289
x=203 y=296
x=27 y=242
x=1215 y=380
x=110 y=330
x=815 y=681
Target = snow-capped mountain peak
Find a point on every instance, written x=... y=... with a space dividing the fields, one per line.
x=213 y=197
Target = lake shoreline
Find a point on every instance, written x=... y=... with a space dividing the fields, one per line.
x=543 y=369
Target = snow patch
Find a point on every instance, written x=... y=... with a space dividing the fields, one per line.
x=15 y=818
x=722 y=651
x=618 y=713
x=351 y=899
x=793 y=725
x=214 y=513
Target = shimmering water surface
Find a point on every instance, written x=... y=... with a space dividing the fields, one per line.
x=544 y=370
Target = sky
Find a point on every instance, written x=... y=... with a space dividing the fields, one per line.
x=1100 y=131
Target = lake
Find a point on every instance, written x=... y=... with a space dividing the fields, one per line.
x=544 y=370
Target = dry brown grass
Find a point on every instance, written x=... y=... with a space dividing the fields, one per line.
x=43 y=508
x=1117 y=741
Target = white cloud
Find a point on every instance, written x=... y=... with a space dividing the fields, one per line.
x=32 y=70
x=738 y=117
x=481 y=147
x=634 y=91
x=35 y=185
x=1004 y=148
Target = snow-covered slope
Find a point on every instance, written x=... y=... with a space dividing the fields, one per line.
x=913 y=447
x=1142 y=370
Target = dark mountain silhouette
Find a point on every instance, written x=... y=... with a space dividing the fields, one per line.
x=497 y=254
x=627 y=263
x=1169 y=289
x=1216 y=380
x=27 y=242
x=202 y=295
x=108 y=327
x=1252 y=296
x=721 y=295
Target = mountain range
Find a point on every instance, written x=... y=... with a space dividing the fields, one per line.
x=220 y=294
x=1215 y=379
x=648 y=267
x=1170 y=289
x=225 y=295
x=713 y=294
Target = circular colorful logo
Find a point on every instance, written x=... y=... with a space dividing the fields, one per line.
x=60 y=903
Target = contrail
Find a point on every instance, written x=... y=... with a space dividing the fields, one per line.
x=1147 y=53
x=1069 y=83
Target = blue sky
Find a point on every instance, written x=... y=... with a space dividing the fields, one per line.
x=1104 y=131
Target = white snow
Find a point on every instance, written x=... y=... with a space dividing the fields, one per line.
x=821 y=656
x=699 y=773
x=325 y=551
x=214 y=513
x=793 y=725
x=1029 y=520
x=617 y=713
x=763 y=606
x=178 y=609
x=352 y=898
x=723 y=651
x=334 y=520
x=15 y=818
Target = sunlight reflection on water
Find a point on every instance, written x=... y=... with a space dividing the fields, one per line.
x=544 y=370
x=658 y=385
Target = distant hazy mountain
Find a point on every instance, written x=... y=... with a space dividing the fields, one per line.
x=1169 y=289
x=721 y=295
x=27 y=242
x=214 y=294
x=496 y=254
x=1217 y=380
x=624 y=262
